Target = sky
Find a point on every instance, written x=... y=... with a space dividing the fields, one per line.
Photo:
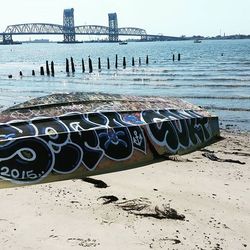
x=168 y=17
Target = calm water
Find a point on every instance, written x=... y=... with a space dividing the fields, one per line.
x=212 y=74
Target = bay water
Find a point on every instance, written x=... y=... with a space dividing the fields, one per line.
x=214 y=74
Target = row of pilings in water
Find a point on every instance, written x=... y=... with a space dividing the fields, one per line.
x=49 y=69
x=70 y=64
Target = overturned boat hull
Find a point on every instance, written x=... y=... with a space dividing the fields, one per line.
x=63 y=137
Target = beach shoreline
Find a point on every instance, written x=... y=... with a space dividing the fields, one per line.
x=209 y=187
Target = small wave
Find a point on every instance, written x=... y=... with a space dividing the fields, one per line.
x=191 y=79
x=213 y=85
x=227 y=79
x=227 y=109
x=235 y=63
x=217 y=97
x=238 y=120
x=231 y=70
x=141 y=79
x=200 y=75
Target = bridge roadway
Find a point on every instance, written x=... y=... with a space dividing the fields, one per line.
x=56 y=29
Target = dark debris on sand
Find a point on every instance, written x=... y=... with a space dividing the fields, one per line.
x=97 y=183
x=213 y=157
x=142 y=207
x=166 y=213
x=108 y=199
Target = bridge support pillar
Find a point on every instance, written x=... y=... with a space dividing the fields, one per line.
x=7 y=39
x=113 y=28
x=69 y=38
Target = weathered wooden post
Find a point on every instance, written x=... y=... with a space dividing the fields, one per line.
x=9 y=76
x=108 y=63
x=52 y=69
x=139 y=61
x=33 y=72
x=99 y=64
x=179 y=57
x=20 y=73
x=173 y=58
x=47 y=68
x=67 y=65
x=116 y=61
x=41 y=71
x=72 y=64
x=147 y=60
x=124 y=62
x=90 y=66
x=83 y=66
x=133 y=61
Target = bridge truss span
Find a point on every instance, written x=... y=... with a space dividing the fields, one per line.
x=35 y=28
x=56 y=29
x=91 y=30
x=131 y=31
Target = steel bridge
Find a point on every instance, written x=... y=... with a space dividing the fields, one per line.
x=55 y=29
x=69 y=30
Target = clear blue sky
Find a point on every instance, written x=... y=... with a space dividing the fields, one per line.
x=169 y=17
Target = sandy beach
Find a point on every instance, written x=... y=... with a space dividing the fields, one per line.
x=196 y=201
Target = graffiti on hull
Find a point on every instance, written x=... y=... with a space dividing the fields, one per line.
x=31 y=150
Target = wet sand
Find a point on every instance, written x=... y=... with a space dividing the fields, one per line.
x=197 y=201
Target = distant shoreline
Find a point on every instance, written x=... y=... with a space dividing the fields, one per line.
x=182 y=38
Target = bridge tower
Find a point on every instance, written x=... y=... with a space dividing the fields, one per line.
x=113 y=28
x=69 y=26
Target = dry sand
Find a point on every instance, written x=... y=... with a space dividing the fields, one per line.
x=213 y=196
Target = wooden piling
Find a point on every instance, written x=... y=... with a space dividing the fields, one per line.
x=90 y=66
x=99 y=64
x=139 y=61
x=147 y=60
x=124 y=62
x=116 y=61
x=179 y=57
x=47 y=68
x=133 y=61
x=108 y=63
x=41 y=71
x=72 y=65
x=83 y=66
x=33 y=72
x=20 y=73
x=173 y=58
x=67 y=65
x=52 y=68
